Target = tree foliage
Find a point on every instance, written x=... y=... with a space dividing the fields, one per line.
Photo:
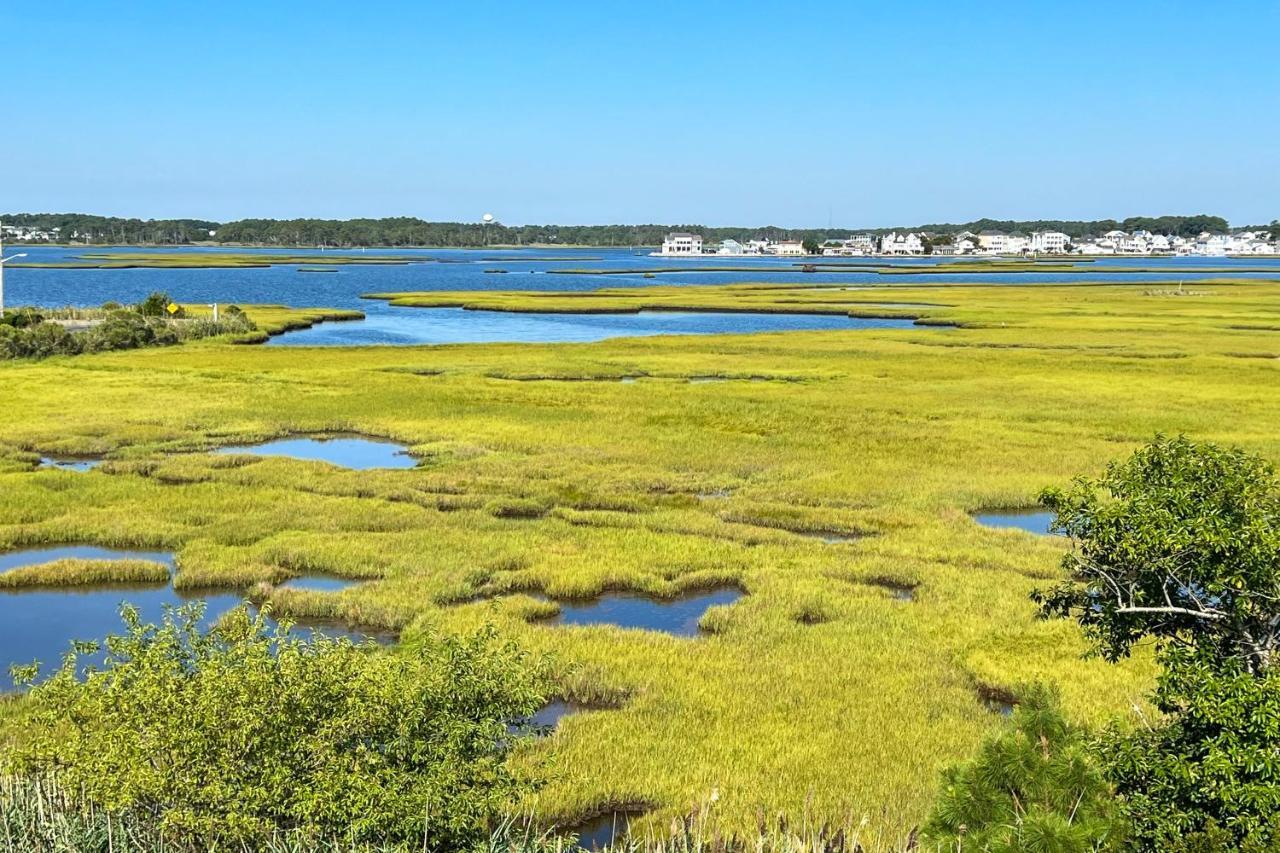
x=1207 y=776
x=1035 y=787
x=230 y=736
x=1180 y=543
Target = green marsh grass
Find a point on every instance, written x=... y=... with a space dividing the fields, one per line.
x=659 y=485
x=71 y=573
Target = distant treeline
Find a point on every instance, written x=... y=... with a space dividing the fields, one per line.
x=113 y=230
x=409 y=231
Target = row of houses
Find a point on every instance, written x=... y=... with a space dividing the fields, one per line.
x=988 y=243
x=25 y=234
x=679 y=243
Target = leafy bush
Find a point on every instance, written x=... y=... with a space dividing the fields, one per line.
x=1208 y=777
x=232 y=736
x=1038 y=786
x=119 y=329
x=1180 y=544
x=21 y=319
x=155 y=305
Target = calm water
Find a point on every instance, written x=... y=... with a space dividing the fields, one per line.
x=319 y=583
x=1035 y=521
x=677 y=616
x=599 y=832
x=70 y=464
x=528 y=270
x=458 y=326
x=358 y=453
x=40 y=624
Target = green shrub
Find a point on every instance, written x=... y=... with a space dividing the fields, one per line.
x=1038 y=786
x=155 y=305
x=1180 y=546
x=231 y=736
x=21 y=318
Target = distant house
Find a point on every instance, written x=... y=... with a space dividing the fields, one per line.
x=731 y=247
x=681 y=243
x=993 y=242
x=857 y=244
x=894 y=243
x=786 y=247
x=1051 y=242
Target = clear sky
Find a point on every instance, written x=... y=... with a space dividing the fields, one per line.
x=745 y=113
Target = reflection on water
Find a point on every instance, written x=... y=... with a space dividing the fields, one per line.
x=677 y=616
x=1037 y=521
x=603 y=830
x=39 y=624
x=358 y=453
x=406 y=326
x=69 y=463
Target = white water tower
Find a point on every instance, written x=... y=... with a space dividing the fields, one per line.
x=486 y=219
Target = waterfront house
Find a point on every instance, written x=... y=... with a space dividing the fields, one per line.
x=731 y=247
x=1050 y=242
x=682 y=243
x=894 y=243
x=787 y=247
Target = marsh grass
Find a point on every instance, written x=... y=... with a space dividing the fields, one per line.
x=73 y=573
x=659 y=485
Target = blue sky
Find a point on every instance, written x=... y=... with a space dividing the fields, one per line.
x=740 y=113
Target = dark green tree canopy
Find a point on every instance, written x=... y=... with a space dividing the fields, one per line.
x=1180 y=543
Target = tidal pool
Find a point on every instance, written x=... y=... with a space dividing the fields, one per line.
x=1035 y=521
x=39 y=624
x=678 y=616
x=319 y=583
x=343 y=451
x=601 y=831
x=69 y=463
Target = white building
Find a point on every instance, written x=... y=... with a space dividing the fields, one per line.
x=1050 y=242
x=857 y=244
x=680 y=243
x=786 y=247
x=894 y=243
x=993 y=242
x=731 y=247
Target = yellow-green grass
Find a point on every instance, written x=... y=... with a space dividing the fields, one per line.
x=662 y=485
x=71 y=573
x=212 y=260
x=277 y=319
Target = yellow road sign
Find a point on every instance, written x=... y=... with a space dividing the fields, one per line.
x=173 y=308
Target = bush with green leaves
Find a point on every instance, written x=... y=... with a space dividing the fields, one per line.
x=1180 y=546
x=111 y=329
x=155 y=305
x=1037 y=786
x=232 y=736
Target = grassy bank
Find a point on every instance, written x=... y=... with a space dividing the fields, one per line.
x=819 y=693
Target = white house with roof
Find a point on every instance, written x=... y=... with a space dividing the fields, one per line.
x=993 y=242
x=1050 y=242
x=731 y=247
x=789 y=248
x=681 y=243
x=857 y=244
x=894 y=243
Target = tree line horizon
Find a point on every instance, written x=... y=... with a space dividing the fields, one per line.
x=404 y=231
